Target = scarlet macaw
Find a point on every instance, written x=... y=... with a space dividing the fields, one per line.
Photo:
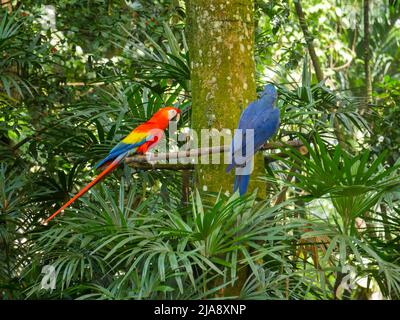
x=261 y=116
x=141 y=139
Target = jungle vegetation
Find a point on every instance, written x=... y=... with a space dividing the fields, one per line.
x=322 y=221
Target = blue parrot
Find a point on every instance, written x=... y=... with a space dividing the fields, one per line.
x=261 y=116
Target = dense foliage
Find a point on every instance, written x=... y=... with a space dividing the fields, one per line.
x=72 y=86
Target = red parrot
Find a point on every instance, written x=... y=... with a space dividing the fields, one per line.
x=141 y=139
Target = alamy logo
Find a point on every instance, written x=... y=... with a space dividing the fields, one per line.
x=348 y=282
x=49 y=278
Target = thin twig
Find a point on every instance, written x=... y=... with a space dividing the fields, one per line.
x=309 y=40
x=368 y=81
x=279 y=145
x=84 y=84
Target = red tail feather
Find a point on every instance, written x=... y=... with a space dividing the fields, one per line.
x=106 y=171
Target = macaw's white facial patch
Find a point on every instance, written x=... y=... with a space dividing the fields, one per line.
x=173 y=115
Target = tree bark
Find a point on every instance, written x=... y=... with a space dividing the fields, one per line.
x=7 y=4
x=221 y=47
x=220 y=36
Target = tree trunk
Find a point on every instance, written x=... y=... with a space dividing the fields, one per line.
x=221 y=46
x=309 y=40
x=7 y=4
x=368 y=81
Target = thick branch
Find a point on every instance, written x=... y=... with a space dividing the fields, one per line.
x=149 y=161
x=174 y=156
x=161 y=166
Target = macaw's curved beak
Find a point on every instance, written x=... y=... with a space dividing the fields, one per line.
x=177 y=116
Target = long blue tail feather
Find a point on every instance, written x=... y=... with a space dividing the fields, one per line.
x=241 y=183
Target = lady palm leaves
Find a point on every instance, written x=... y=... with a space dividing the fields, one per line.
x=333 y=171
x=163 y=61
x=15 y=223
x=312 y=107
x=354 y=185
x=160 y=253
x=8 y=27
x=14 y=54
x=352 y=250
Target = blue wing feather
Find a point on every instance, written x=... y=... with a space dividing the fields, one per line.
x=264 y=128
x=119 y=149
x=241 y=183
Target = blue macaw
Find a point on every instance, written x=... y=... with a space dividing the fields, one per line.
x=261 y=116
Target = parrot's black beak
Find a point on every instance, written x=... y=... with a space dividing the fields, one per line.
x=177 y=117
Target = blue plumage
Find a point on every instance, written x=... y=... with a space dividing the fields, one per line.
x=119 y=149
x=261 y=116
